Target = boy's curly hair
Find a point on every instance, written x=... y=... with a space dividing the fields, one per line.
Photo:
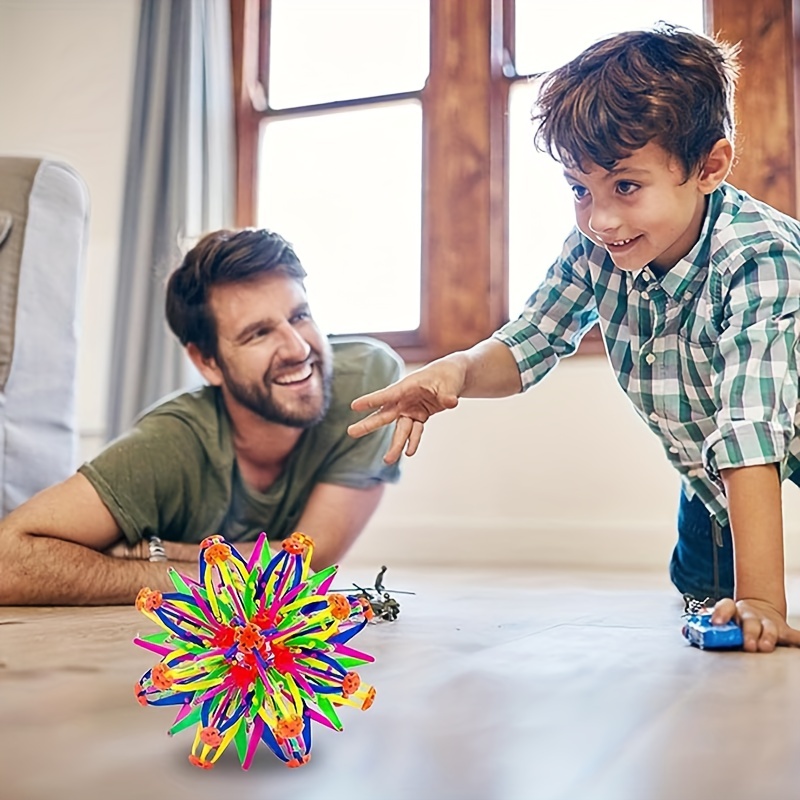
x=669 y=85
x=222 y=257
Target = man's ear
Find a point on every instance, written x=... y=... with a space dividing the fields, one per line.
x=206 y=365
x=717 y=166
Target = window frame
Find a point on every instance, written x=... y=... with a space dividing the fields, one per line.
x=464 y=258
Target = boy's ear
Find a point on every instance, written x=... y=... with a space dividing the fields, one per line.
x=206 y=365
x=717 y=165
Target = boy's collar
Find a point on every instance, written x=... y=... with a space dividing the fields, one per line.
x=684 y=280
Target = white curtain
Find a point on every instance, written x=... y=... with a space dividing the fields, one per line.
x=179 y=184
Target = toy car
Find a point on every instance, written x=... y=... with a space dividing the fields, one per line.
x=699 y=632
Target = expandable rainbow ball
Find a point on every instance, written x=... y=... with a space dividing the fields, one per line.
x=254 y=652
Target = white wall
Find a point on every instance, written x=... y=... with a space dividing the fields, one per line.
x=563 y=475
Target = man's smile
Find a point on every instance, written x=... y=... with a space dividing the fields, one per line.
x=297 y=375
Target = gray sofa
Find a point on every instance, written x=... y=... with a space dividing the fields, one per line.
x=44 y=212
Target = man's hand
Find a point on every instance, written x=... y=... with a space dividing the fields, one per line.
x=763 y=626
x=410 y=403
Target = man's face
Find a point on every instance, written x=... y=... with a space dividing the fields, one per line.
x=272 y=358
x=642 y=212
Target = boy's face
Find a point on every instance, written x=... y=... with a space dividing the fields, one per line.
x=272 y=358
x=643 y=211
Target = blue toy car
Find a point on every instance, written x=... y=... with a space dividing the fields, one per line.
x=699 y=632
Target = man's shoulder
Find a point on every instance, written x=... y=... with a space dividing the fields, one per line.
x=185 y=429
x=200 y=400
x=199 y=410
x=362 y=362
x=360 y=365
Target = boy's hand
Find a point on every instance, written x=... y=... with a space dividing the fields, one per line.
x=410 y=403
x=763 y=626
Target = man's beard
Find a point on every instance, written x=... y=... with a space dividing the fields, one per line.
x=258 y=397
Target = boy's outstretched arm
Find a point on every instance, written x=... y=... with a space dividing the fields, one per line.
x=754 y=503
x=486 y=370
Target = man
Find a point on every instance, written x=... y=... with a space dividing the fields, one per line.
x=262 y=447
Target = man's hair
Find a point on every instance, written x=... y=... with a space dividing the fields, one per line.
x=667 y=85
x=222 y=257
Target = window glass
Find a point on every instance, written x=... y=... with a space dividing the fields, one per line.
x=327 y=50
x=345 y=188
x=549 y=34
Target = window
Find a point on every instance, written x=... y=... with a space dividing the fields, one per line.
x=340 y=154
x=352 y=206
x=388 y=139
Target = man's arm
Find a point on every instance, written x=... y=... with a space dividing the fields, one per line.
x=334 y=517
x=50 y=552
x=754 y=503
x=174 y=551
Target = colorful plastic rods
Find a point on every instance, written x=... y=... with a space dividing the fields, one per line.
x=254 y=651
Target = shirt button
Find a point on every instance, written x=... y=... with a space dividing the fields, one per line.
x=646 y=295
x=673 y=449
x=645 y=276
x=649 y=358
x=654 y=417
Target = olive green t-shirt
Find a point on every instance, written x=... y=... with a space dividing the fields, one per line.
x=174 y=473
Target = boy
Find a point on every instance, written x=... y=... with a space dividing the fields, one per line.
x=696 y=287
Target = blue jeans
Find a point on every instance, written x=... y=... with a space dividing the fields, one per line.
x=702 y=561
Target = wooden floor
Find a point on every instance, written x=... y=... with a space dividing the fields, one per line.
x=491 y=686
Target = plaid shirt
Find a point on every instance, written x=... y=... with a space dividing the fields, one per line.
x=706 y=353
